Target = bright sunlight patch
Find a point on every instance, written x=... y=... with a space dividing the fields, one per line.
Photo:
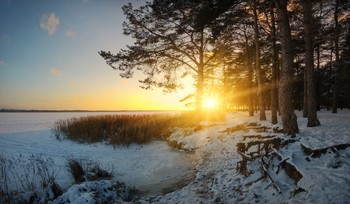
x=210 y=103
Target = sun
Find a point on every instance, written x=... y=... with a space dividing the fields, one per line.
x=210 y=103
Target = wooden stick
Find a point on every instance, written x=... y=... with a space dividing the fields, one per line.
x=264 y=168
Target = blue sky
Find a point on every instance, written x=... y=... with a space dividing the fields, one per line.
x=49 y=57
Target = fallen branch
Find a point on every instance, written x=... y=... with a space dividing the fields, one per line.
x=244 y=156
x=242 y=127
x=290 y=169
x=263 y=145
x=317 y=152
x=242 y=150
x=242 y=167
x=281 y=164
x=263 y=166
x=257 y=137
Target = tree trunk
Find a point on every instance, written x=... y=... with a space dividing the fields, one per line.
x=312 y=119
x=200 y=75
x=337 y=62
x=199 y=95
x=250 y=87
x=274 y=80
x=318 y=84
x=330 y=79
x=289 y=119
x=305 y=106
x=250 y=77
x=257 y=64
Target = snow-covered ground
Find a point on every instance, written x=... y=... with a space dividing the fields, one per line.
x=210 y=162
x=150 y=168
x=325 y=179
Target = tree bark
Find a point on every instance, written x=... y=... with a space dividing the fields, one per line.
x=250 y=77
x=274 y=82
x=200 y=75
x=305 y=106
x=337 y=62
x=257 y=63
x=312 y=119
x=289 y=119
x=318 y=84
x=200 y=82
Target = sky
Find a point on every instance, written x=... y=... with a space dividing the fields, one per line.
x=49 y=58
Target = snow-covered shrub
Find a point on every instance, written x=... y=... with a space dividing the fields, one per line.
x=4 y=180
x=87 y=171
x=28 y=179
x=102 y=191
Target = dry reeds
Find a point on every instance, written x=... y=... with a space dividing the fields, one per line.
x=82 y=171
x=122 y=129
x=76 y=169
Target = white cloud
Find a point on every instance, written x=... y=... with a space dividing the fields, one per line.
x=49 y=23
x=70 y=34
x=55 y=72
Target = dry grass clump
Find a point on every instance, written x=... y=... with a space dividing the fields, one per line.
x=83 y=171
x=123 y=129
x=76 y=169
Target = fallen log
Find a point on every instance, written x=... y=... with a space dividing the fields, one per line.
x=242 y=127
x=318 y=152
x=288 y=167
x=258 y=137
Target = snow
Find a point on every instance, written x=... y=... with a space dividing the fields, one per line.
x=217 y=180
x=208 y=160
x=139 y=166
x=85 y=193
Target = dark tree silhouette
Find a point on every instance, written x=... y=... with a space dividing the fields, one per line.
x=257 y=61
x=274 y=72
x=337 y=61
x=168 y=45
x=309 y=65
x=289 y=119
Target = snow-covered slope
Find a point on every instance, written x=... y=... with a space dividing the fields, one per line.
x=326 y=179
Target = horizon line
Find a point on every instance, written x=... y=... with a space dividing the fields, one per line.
x=78 y=110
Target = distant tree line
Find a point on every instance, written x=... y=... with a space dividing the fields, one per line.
x=255 y=55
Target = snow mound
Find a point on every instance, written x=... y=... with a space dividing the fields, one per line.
x=96 y=192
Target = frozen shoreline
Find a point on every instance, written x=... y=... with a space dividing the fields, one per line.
x=152 y=168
